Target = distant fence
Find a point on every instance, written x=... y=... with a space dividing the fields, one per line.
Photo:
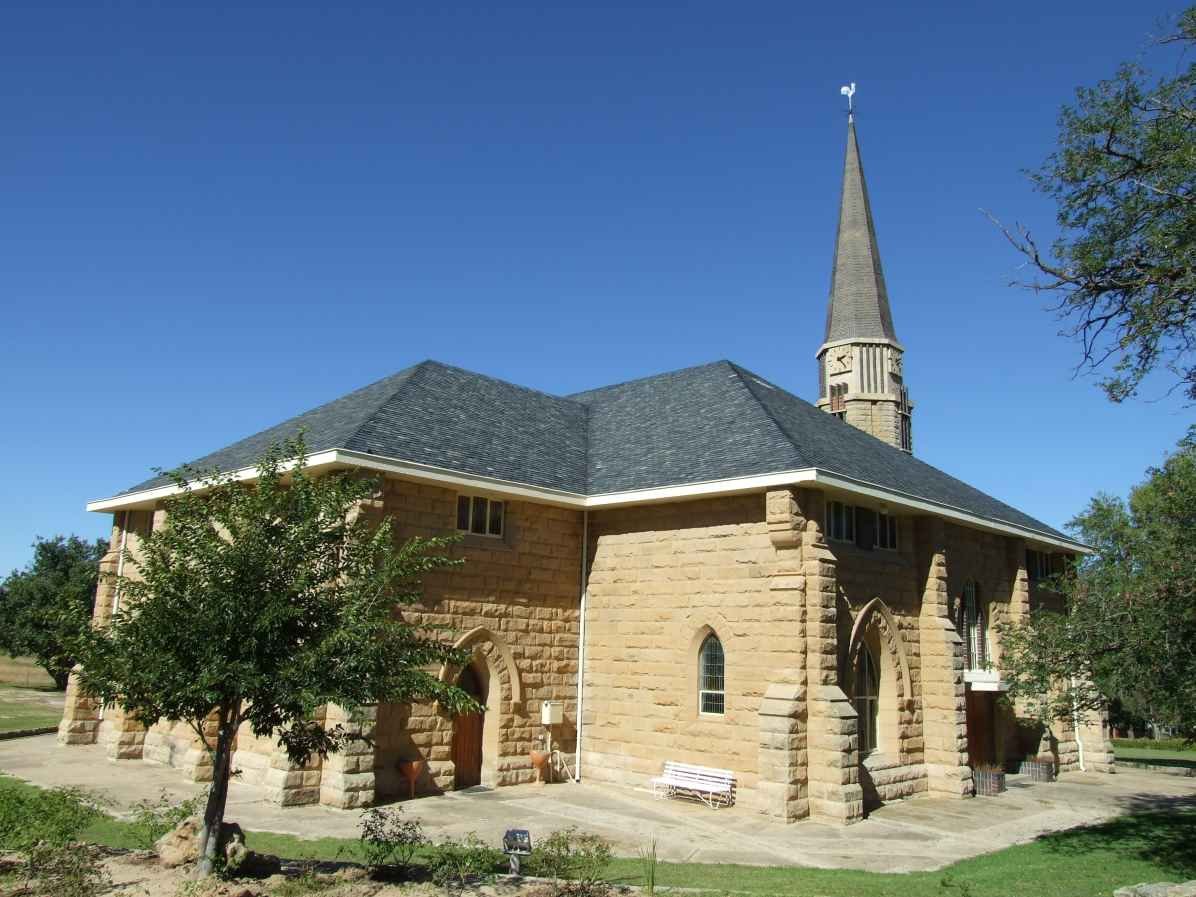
x=23 y=671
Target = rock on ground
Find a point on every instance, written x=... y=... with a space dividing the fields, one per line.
x=1158 y=889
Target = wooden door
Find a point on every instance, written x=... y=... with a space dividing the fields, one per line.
x=467 y=736
x=980 y=727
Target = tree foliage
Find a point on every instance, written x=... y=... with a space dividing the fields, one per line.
x=260 y=602
x=44 y=606
x=1123 y=181
x=1127 y=628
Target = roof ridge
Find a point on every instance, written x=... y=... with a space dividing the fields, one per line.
x=692 y=367
x=740 y=372
x=529 y=389
x=412 y=373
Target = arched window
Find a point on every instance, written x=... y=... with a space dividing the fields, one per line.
x=711 y=681
x=972 y=628
x=867 y=700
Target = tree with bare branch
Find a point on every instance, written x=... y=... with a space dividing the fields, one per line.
x=1123 y=269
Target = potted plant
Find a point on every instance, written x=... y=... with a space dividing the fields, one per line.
x=1040 y=769
x=989 y=779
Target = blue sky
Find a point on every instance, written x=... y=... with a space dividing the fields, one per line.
x=216 y=217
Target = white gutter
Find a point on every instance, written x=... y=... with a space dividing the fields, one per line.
x=581 y=641
x=562 y=498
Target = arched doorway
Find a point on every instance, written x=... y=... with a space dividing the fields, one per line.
x=467 y=732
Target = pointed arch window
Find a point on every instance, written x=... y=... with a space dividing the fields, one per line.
x=972 y=628
x=867 y=700
x=712 y=696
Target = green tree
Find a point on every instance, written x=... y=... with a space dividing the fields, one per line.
x=1127 y=624
x=259 y=602
x=44 y=606
x=1123 y=180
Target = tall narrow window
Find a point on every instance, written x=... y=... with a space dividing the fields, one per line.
x=867 y=700
x=838 y=397
x=712 y=696
x=840 y=521
x=970 y=623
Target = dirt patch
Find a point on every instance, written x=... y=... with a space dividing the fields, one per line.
x=142 y=875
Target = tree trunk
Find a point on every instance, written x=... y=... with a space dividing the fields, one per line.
x=213 y=814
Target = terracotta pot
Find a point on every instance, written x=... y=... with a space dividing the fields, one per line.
x=540 y=764
x=410 y=770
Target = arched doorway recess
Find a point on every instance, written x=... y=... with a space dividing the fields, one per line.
x=468 y=730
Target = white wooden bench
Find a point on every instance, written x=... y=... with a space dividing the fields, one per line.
x=713 y=787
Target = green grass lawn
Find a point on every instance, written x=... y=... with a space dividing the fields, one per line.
x=1171 y=752
x=1087 y=862
x=18 y=713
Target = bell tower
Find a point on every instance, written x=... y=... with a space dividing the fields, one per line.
x=860 y=377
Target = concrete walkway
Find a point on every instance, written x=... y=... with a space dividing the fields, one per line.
x=905 y=836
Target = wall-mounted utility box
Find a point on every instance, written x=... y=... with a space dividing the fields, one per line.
x=552 y=713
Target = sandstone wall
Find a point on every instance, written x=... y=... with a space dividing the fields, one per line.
x=896 y=769
x=515 y=603
x=661 y=578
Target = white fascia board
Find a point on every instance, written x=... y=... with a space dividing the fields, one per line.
x=147 y=497
x=730 y=486
x=913 y=502
x=428 y=473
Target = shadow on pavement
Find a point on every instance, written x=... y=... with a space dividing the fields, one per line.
x=1160 y=830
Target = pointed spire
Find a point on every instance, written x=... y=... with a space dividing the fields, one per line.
x=859 y=302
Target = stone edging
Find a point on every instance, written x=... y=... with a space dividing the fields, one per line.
x=27 y=733
x=1187 y=772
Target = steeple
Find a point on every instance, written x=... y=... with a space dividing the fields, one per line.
x=860 y=360
x=859 y=303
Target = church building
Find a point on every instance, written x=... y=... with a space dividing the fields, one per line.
x=697 y=566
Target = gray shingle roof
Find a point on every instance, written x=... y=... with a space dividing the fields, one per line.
x=859 y=303
x=443 y=416
x=712 y=422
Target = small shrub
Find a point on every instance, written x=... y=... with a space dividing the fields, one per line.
x=388 y=840
x=66 y=870
x=303 y=884
x=153 y=819
x=55 y=817
x=580 y=857
x=455 y=864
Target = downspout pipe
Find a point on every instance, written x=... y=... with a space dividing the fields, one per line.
x=581 y=639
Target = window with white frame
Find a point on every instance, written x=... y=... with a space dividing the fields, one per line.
x=712 y=696
x=886 y=532
x=867 y=700
x=840 y=521
x=481 y=516
x=972 y=628
x=1038 y=565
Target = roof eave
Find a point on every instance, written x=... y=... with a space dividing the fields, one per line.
x=431 y=474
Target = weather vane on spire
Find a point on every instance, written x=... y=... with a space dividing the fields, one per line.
x=848 y=90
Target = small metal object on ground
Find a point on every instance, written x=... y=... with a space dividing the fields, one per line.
x=516 y=843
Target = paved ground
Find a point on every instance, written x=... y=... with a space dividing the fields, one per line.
x=905 y=836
